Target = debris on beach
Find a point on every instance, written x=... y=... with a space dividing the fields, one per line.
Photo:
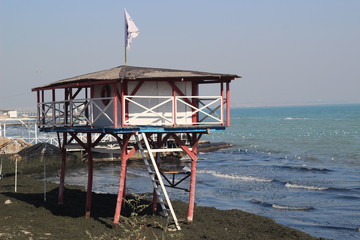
x=9 y=146
x=207 y=146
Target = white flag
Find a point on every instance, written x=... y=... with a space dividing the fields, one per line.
x=131 y=31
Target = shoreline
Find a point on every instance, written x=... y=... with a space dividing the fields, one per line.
x=27 y=216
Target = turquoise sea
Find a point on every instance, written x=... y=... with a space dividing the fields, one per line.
x=298 y=165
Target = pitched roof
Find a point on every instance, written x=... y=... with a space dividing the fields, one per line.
x=142 y=73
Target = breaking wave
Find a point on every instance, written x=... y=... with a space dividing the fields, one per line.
x=295 y=118
x=137 y=173
x=282 y=207
x=306 y=169
x=294 y=208
x=293 y=185
x=235 y=176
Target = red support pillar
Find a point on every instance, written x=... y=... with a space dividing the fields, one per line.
x=121 y=192
x=63 y=167
x=90 y=176
x=193 y=155
x=192 y=181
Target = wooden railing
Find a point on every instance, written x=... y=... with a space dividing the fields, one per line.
x=135 y=111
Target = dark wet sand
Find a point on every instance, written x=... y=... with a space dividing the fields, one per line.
x=29 y=217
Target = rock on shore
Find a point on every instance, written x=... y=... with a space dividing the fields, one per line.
x=8 y=146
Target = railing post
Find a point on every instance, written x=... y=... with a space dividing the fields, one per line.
x=115 y=109
x=222 y=110
x=91 y=105
x=43 y=106
x=53 y=114
x=91 y=110
x=222 y=102
x=195 y=102
x=36 y=133
x=174 y=103
x=123 y=110
x=123 y=100
x=54 y=109
x=38 y=106
x=71 y=112
x=175 y=110
x=228 y=104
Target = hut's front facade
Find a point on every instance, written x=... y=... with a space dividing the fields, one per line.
x=127 y=101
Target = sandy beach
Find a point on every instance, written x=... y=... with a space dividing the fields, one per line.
x=25 y=215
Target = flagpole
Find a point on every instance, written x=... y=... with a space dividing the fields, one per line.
x=125 y=37
x=125 y=57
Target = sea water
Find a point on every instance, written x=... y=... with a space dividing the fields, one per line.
x=298 y=165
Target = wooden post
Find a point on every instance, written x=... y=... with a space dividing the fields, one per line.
x=16 y=170
x=124 y=158
x=62 y=168
x=90 y=176
x=158 y=145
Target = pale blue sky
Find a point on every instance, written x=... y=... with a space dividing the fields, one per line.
x=288 y=51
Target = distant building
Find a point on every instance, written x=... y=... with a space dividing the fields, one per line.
x=9 y=113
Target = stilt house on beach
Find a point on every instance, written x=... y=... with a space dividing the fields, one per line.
x=142 y=108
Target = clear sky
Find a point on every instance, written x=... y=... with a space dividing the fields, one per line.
x=287 y=51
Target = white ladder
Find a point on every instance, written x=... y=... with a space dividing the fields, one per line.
x=156 y=178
